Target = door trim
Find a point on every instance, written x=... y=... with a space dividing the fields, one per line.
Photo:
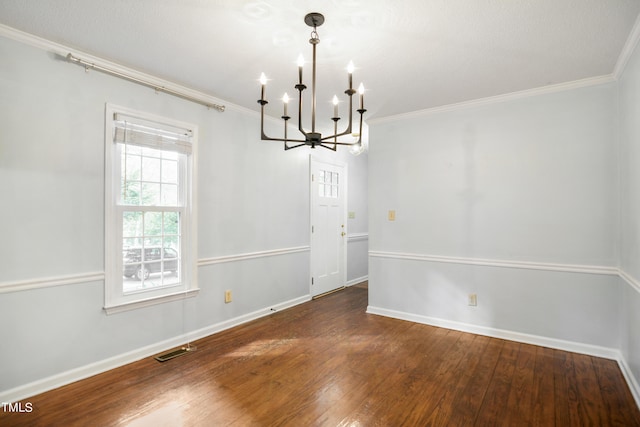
x=313 y=160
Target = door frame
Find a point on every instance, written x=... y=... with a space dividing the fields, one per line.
x=315 y=161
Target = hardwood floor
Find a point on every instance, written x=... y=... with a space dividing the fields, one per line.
x=328 y=363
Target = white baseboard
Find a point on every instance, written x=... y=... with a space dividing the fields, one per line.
x=40 y=386
x=572 y=346
x=357 y=280
x=576 y=347
x=631 y=380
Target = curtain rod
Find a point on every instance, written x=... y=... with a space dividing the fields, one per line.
x=157 y=88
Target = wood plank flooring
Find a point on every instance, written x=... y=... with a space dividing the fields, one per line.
x=328 y=363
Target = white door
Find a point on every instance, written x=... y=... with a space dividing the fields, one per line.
x=328 y=227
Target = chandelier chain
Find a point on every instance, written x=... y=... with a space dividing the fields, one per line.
x=314 y=35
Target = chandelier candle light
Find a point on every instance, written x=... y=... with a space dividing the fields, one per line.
x=314 y=138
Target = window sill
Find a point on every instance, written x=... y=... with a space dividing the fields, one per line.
x=119 y=308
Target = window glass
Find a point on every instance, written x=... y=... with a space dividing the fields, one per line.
x=148 y=219
x=328 y=184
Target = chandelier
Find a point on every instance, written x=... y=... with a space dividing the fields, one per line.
x=314 y=138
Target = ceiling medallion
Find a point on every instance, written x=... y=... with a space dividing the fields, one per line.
x=314 y=138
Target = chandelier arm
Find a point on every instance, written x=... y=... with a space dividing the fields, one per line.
x=334 y=148
x=348 y=130
x=286 y=147
x=264 y=137
x=350 y=92
x=325 y=138
x=339 y=143
x=286 y=121
x=300 y=110
x=300 y=88
x=361 y=111
x=359 y=141
x=267 y=138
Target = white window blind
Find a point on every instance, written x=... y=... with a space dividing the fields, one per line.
x=150 y=248
x=145 y=133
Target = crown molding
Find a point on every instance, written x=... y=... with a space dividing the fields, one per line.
x=631 y=281
x=627 y=50
x=544 y=90
x=35 y=41
x=62 y=51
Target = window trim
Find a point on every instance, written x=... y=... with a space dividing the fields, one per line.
x=114 y=300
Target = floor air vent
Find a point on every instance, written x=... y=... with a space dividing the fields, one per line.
x=173 y=354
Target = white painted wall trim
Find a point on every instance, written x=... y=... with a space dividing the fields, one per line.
x=62 y=51
x=356 y=237
x=64 y=378
x=148 y=302
x=634 y=283
x=592 y=350
x=23 y=285
x=627 y=50
x=560 y=87
x=572 y=346
x=251 y=255
x=572 y=268
x=71 y=279
x=47 y=282
x=631 y=380
x=357 y=280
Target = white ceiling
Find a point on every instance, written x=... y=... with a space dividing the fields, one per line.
x=411 y=55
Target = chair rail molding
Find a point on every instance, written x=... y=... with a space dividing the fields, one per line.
x=571 y=268
x=251 y=255
x=95 y=276
x=48 y=282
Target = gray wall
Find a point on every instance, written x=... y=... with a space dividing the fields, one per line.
x=530 y=203
x=528 y=182
x=629 y=95
x=252 y=197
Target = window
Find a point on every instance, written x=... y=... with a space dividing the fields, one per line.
x=328 y=184
x=149 y=198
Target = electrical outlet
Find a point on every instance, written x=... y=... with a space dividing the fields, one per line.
x=227 y=296
x=473 y=299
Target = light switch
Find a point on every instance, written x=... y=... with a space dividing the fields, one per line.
x=392 y=215
x=352 y=215
x=473 y=300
